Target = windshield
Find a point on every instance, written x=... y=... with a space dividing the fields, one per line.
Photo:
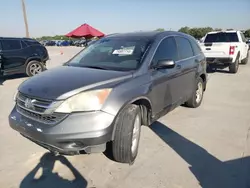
x=221 y=37
x=112 y=54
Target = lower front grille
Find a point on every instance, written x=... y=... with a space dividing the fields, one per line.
x=42 y=118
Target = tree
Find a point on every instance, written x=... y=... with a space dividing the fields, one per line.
x=57 y=37
x=185 y=30
x=217 y=29
x=197 y=32
x=247 y=33
x=160 y=29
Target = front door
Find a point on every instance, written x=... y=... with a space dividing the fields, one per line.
x=164 y=81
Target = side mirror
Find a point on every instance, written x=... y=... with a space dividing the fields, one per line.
x=165 y=64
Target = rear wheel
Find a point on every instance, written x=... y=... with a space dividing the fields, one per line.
x=197 y=96
x=233 y=67
x=34 y=67
x=245 y=61
x=127 y=134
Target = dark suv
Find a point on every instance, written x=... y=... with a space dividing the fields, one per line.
x=22 y=55
x=108 y=90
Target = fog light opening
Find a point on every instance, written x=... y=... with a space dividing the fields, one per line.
x=72 y=145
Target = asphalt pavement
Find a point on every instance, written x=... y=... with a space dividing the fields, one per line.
x=206 y=147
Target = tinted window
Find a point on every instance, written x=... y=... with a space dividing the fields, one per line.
x=32 y=42
x=166 y=50
x=196 y=48
x=184 y=47
x=11 y=44
x=24 y=45
x=221 y=37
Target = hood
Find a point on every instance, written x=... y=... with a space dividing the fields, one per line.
x=63 y=82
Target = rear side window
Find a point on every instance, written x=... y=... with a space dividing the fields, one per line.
x=166 y=50
x=184 y=47
x=11 y=45
x=32 y=42
x=196 y=48
x=221 y=37
x=24 y=45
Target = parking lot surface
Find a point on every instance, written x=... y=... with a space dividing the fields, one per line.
x=206 y=147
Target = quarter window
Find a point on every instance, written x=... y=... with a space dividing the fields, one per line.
x=196 y=48
x=11 y=44
x=184 y=47
x=32 y=42
x=167 y=50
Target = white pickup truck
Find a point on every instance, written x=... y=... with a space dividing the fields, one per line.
x=226 y=47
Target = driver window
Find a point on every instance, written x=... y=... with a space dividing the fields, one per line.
x=166 y=50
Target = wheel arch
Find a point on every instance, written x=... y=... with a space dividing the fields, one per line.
x=146 y=109
x=145 y=106
x=35 y=58
x=204 y=78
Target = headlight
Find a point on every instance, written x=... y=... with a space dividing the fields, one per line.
x=85 y=101
x=15 y=96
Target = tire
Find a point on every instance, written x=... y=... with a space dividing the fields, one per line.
x=194 y=101
x=34 y=67
x=127 y=123
x=233 y=67
x=245 y=61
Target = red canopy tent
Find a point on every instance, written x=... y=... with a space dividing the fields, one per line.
x=86 y=31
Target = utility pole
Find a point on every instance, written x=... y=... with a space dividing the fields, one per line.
x=25 y=19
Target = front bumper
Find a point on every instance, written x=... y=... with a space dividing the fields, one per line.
x=78 y=132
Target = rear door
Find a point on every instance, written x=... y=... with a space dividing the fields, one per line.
x=189 y=66
x=12 y=55
x=35 y=49
x=217 y=45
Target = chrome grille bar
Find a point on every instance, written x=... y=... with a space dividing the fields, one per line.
x=40 y=110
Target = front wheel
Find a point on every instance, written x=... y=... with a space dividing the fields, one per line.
x=127 y=134
x=197 y=96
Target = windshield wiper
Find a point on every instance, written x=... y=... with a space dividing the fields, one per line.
x=95 y=67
